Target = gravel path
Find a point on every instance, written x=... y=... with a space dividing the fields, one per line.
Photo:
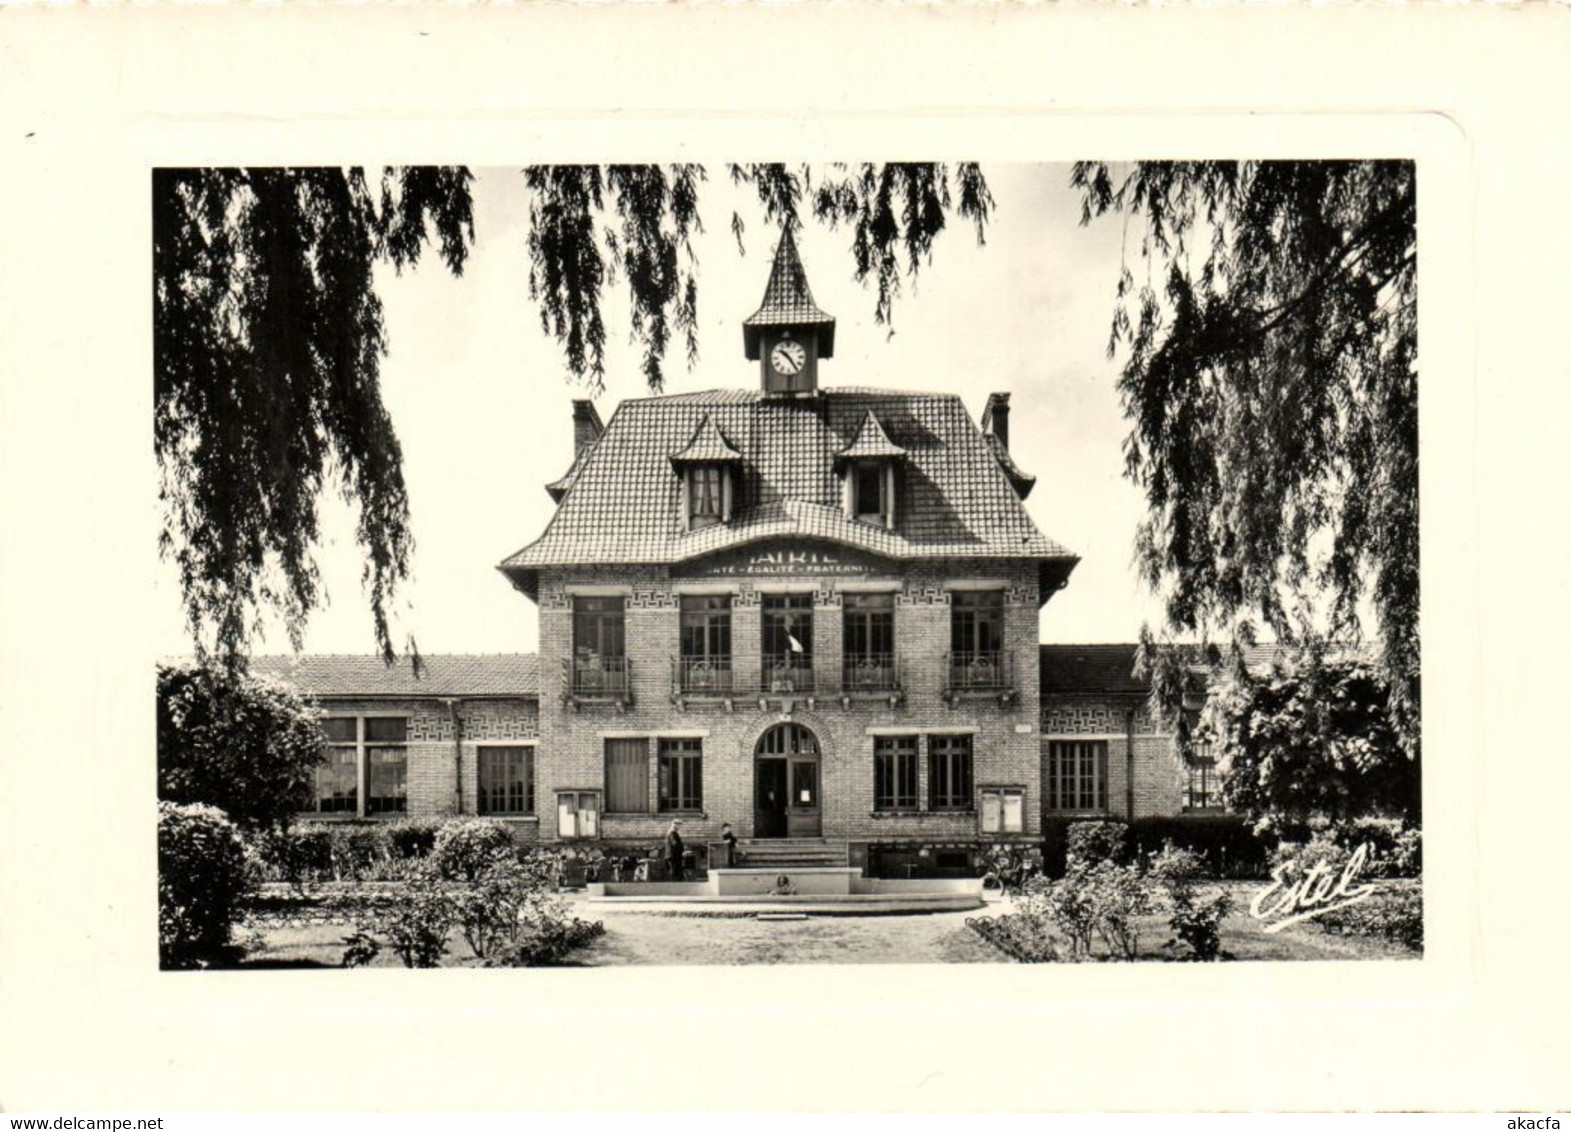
x=669 y=940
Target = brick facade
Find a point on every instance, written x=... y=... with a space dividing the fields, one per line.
x=1004 y=736
x=438 y=767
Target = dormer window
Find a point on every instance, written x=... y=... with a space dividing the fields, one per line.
x=707 y=467
x=870 y=466
x=705 y=496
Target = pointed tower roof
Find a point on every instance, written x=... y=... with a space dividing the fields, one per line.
x=788 y=302
x=708 y=445
x=871 y=443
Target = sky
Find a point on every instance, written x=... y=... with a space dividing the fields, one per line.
x=481 y=399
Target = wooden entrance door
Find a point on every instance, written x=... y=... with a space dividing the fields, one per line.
x=769 y=809
x=788 y=783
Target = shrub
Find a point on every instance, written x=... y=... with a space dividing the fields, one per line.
x=1016 y=937
x=1295 y=859
x=358 y=851
x=202 y=880
x=1394 y=846
x=1091 y=842
x=1048 y=904
x=413 y=837
x=1198 y=926
x=1119 y=894
x=1089 y=901
x=307 y=852
x=1197 y=912
x=247 y=745
x=493 y=909
x=1395 y=912
x=507 y=910
x=342 y=851
x=545 y=939
x=414 y=926
x=1226 y=844
x=463 y=850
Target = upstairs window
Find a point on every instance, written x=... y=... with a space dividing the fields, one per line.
x=599 y=646
x=706 y=492
x=788 y=641
x=869 y=642
x=705 y=663
x=598 y=627
x=976 y=623
x=869 y=625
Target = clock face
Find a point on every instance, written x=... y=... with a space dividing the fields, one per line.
x=788 y=357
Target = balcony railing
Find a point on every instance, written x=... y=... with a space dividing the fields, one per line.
x=870 y=673
x=598 y=678
x=702 y=676
x=786 y=674
x=987 y=673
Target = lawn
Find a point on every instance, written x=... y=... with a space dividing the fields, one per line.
x=648 y=939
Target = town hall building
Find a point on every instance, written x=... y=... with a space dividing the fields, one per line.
x=807 y=609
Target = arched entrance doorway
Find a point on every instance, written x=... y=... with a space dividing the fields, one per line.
x=785 y=783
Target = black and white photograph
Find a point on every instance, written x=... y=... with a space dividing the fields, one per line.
x=711 y=560
x=765 y=563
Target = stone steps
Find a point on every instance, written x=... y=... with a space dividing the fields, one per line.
x=791 y=853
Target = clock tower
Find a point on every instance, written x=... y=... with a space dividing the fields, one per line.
x=788 y=334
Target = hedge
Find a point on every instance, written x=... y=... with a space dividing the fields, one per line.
x=1224 y=842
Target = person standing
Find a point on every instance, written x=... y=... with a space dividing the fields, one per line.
x=674 y=849
x=728 y=839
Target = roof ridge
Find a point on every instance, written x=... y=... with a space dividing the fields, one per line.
x=425 y=656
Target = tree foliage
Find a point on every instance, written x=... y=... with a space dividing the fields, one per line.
x=1314 y=742
x=267 y=339
x=269 y=335
x=247 y=745
x=1270 y=379
x=593 y=224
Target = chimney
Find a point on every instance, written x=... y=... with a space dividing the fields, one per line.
x=586 y=426
x=995 y=418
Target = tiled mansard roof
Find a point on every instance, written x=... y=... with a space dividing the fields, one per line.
x=623 y=505
x=871 y=443
x=708 y=446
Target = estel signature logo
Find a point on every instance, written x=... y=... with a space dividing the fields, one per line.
x=1318 y=890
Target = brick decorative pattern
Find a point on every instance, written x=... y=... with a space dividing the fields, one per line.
x=1088 y=714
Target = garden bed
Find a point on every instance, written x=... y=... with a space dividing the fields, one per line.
x=1335 y=936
